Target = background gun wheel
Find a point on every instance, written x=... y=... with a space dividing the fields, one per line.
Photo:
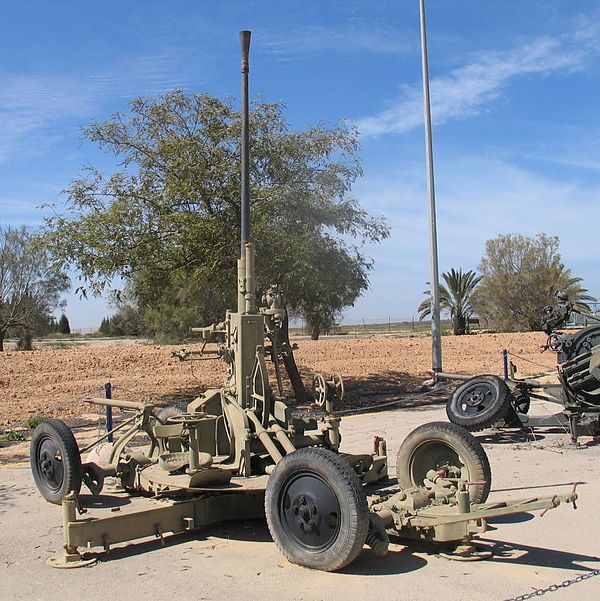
x=316 y=509
x=55 y=460
x=338 y=384
x=479 y=403
x=440 y=446
x=319 y=389
x=171 y=410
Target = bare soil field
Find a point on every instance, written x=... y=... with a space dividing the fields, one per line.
x=51 y=383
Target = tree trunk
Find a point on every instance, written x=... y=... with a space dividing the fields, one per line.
x=24 y=343
x=1 y=341
x=315 y=331
x=459 y=325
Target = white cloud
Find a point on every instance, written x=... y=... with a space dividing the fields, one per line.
x=34 y=108
x=351 y=38
x=587 y=32
x=14 y=212
x=30 y=103
x=146 y=75
x=477 y=199
x=466 y=90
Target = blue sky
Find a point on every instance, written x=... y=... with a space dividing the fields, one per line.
x=515 y=97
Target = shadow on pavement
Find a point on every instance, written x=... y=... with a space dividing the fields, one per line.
x=516 y=553
x=11 y=492
x=516 y=518
x=103 y=501
x=250 y=531
x=395 y=562
x=507 y=437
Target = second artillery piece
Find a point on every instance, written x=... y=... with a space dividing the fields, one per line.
x=486 y=401
x=239 y=452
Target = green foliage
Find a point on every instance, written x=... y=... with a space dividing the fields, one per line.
x=168 y=222
x=105 y=326
x=520 y=276
x=33 y=422
x=30 y=283
x=63 y=325
x=15 y=436
x=20 y=434
x=327 y=284
x=128 y=321
x=456 y=297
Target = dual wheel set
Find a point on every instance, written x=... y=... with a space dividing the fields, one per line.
x=315 y=504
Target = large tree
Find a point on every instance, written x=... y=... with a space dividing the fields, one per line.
x=456 y=297
x=30 y=283
x=168 y=221
x=520 y=276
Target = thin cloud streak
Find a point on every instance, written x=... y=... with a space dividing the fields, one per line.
x=34 y=109
x=30 y=103
x=465 y=91
x=19 y=212
x=296 y=45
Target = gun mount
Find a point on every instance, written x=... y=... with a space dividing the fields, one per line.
x=486 y=401
x=238 y=452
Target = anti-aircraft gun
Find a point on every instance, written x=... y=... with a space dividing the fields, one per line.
x=487 y=401
x=238 y=452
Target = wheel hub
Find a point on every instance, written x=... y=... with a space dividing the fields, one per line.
x=477 y=399
x=50 y=464
x=310 y=511
x=305 y=508
x=46 y=466
x=437 y=456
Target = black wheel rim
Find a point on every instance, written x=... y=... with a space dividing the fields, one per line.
x=438 y=456
x=476 y=398
x=49 y=464
x=309 y=511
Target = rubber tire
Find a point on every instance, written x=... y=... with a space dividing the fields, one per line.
x=495 y=412
x=62 y=436
x=458 y=439
x=169 y=411
x=346 y=486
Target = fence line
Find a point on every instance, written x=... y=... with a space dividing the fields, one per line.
x=83 y=330
x=371 y=325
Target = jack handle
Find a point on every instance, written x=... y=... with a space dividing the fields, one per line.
x=570 y=498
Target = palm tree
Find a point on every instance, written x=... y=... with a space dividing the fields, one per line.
x=577 y=294
x=455 y=297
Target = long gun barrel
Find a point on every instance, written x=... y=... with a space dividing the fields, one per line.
x=245 y=150
x=246 y=285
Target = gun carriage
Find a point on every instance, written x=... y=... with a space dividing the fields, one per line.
x=239 y=452
x=489 y=401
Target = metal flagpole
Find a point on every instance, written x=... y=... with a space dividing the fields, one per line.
x=436 y=339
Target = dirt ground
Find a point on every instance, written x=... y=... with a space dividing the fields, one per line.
x=239 y=561
x=51 y=383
